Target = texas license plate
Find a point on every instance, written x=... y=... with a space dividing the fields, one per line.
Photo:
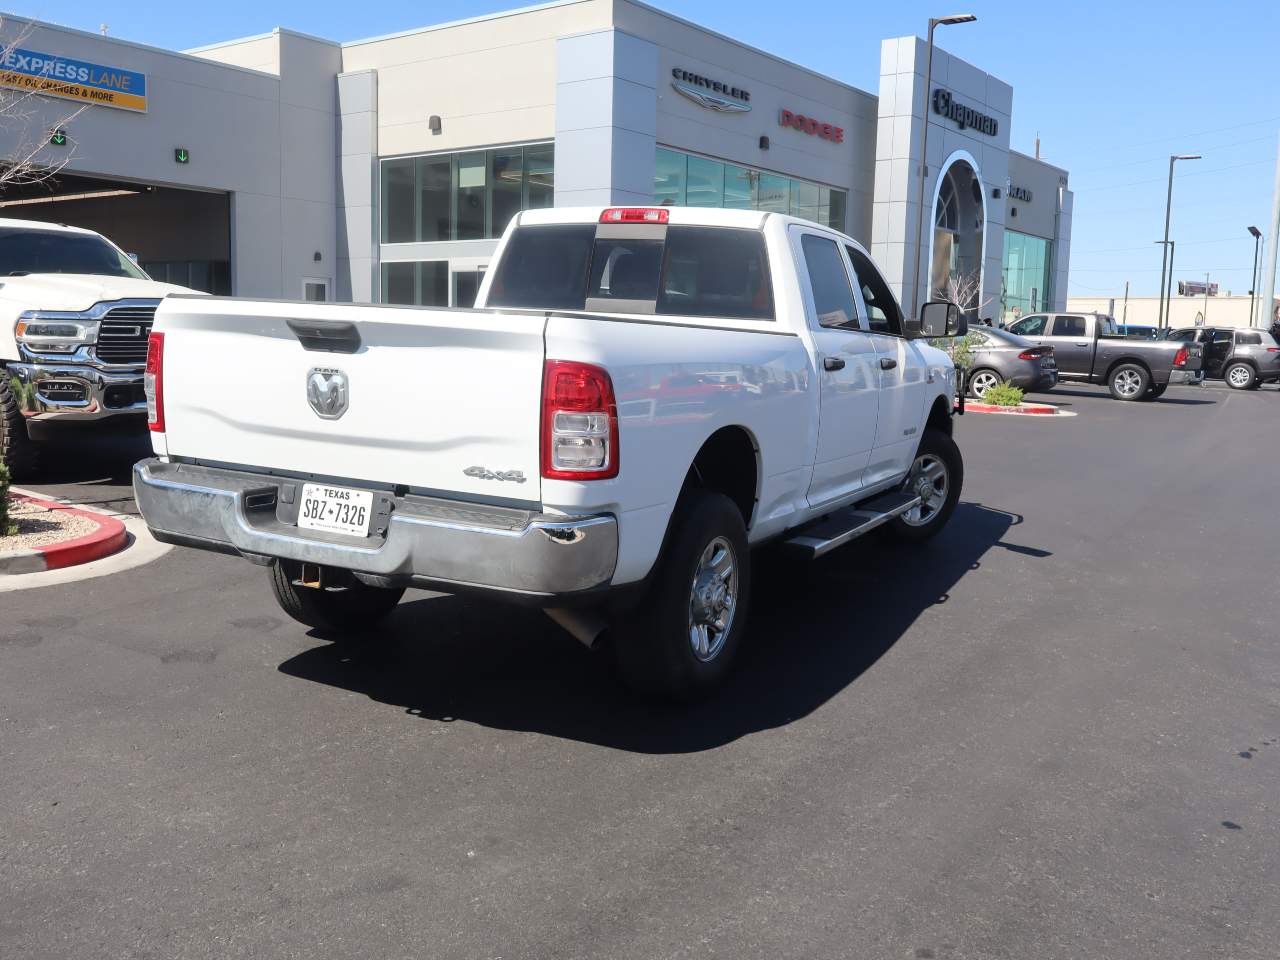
x=335 y=509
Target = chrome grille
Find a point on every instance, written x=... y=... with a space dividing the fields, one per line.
x=122 y=335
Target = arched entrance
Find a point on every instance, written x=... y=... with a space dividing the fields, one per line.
x=957 y=248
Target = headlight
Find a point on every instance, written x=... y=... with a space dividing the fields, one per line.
x=54 y=333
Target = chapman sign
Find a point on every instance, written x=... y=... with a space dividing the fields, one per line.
x=50 y=75
x=952 y=109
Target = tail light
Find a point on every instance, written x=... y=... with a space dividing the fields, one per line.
x=635 y=215
x=1180 y=358
x=579 y=422
x=153 y=382
x=1273 y=349
x=1035 y=353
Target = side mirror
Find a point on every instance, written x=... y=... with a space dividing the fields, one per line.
x=941 y=319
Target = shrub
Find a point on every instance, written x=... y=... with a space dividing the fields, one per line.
x=6 y=525
x=959 y=349
x=1003 y=395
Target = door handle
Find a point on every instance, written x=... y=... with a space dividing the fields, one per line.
x=887 y=363
x=832 y=363
x=1085 y=344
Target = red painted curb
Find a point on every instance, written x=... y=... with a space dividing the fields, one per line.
x=110 y=537
x=1032 y=410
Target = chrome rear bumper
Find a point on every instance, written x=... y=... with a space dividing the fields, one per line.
x=415 y=540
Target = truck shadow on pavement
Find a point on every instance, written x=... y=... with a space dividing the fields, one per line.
x=1101 y=394
x=816 y=628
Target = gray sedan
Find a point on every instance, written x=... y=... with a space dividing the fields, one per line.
x=1003 y=357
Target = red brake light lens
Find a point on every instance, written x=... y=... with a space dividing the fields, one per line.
x=1180 y=358
x=153 y=382
x=635 y=215
x=579 y=422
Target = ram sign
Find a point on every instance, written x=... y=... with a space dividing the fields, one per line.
x=51 y=75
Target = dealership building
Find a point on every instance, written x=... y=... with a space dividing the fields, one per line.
x=384 y=170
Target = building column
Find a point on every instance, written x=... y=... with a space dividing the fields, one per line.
x=606 y=119
x=357 y=266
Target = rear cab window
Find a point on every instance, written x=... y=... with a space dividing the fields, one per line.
x=676 y=270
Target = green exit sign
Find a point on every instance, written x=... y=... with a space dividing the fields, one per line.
x=58 y=138
x=181 y=155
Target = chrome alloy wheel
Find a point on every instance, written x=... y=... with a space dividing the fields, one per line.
x=929 y=480
x=1239 y=376
x=983 y=381
x=713 y=598
x=1128 y=383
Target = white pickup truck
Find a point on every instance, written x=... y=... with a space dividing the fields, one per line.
x=639 y=397
x=75 y=312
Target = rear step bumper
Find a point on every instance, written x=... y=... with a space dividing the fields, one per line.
x=416 y=540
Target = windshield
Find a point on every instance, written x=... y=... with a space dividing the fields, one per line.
x=24 y=251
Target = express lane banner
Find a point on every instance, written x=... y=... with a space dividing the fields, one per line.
x=51 y=75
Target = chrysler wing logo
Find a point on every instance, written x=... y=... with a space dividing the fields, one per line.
x=327 y=392
x=710 y=100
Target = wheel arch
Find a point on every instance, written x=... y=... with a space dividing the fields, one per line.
x=1121 y=361
x=728 y=462
x=940 y=416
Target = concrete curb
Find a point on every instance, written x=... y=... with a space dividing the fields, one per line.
x=109 y=537
x=1023 y=409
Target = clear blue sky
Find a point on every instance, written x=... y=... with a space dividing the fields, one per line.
x=1111 y=88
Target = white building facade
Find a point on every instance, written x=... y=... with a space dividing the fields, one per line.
x=385 y=170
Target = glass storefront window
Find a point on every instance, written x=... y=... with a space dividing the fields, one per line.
x=464 y=196
x=682 y=179
x=705 y=184
x=1028 y=261
x=670 y=174
x=416 y=284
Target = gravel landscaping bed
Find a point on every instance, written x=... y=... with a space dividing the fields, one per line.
x=39 y=526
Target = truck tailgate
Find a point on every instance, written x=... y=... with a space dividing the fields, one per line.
x=435 y=399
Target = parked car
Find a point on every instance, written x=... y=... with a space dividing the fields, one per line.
x=75 y=312
x=1244 y=358
x=1088 y=350
x=1003 y=357
x=482 y=450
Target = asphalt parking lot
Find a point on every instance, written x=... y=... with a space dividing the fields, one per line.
x=1055 y=732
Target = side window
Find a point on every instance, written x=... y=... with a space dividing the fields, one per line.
x=1221 y=337
x=883 y=315
x=1030 y=326
x=1107 y=327
x=1068 y=327
x=832 y=295
x=1249 y=339
x=1183 y=336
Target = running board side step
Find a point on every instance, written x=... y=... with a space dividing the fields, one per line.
x=836 y=529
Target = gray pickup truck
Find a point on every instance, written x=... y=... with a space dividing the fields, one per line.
x=1090 y=349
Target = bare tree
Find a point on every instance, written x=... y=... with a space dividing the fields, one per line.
x=965 y=291
x=28 y=157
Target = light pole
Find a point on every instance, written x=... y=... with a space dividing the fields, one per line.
x=1168 y=209
x=934 y=22
x=1253 y=277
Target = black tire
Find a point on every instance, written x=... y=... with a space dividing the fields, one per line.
x=1246 y=376
x=975 y=374
x=1129 y=381
x=1156 y=391
x=653 y=646
x=343 y=605
x=17 y=451
x=926 y=522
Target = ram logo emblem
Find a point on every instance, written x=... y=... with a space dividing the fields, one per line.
x=327 y=392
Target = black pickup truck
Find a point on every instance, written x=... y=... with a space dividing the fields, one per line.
x=1090 y=349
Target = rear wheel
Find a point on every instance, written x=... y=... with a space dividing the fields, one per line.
x=17 y=452
x=980 y=381
x=342 y=605
x=682 y=641
x=1129 y=382
x=936 y=476
x=1156 y=391
x=1240 y=376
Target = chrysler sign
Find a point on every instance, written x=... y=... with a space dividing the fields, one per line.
x=947 y=106
x=712 y=94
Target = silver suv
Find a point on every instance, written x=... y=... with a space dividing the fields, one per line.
x=1244 y=358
